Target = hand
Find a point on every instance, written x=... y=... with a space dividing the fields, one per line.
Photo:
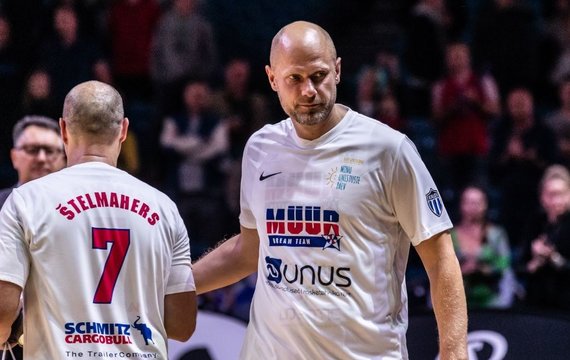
x=541 y=248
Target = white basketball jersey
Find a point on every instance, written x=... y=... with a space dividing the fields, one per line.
x=335 y=217
x=96 y=251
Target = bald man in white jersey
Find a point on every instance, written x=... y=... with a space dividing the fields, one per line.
x=103 y=259
x=330 y=202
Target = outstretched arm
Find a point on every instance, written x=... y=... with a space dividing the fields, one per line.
x=448 y=295
x=230 y=262
x=9 y=306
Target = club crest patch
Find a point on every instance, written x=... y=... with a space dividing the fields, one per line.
x=434 y=202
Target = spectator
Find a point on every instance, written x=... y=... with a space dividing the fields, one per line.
x=522 y=150
x=557 y=120
x=505 y=42
x=68 y=58
x=195 y=141
x=37 y=150
x=387 y=110
x=366 y=92
x=557 y=33
x=424 y=56
x=38 y=98
x=246 y=111
x=11 y=75
x=548 y=251
x=131 y=27
x=463 y=104
x=484 y=253
x=183 y=48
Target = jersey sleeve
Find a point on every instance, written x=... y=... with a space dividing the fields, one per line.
x=246 y=217
x=15 y=261
x=181 y=278
x=417 y=203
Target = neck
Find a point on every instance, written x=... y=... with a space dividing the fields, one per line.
x=91 y=158
x=104 y=153
x=462 y=74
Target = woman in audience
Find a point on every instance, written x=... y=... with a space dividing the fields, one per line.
x=548 y=251
x=483 y=251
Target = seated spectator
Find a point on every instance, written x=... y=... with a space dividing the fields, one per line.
x=546 y=260
x=484 y=253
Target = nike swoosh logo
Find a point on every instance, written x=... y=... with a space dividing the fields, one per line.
x=263 y=177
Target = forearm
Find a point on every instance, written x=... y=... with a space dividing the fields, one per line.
x=450 y=309
x=226 y=264
x=9 y=306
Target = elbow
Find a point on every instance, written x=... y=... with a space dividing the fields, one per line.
x=183 y=333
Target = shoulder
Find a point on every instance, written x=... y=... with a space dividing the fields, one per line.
x=375 y=134
x=4 y=193
x=277 y=132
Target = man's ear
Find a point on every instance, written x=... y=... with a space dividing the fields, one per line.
x=337 y=70
x=63 y=130
x=271 y=77
x=124 y=129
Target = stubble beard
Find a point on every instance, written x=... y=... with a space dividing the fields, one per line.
x=312 y=118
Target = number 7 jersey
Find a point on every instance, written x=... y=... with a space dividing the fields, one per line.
x=96 y=251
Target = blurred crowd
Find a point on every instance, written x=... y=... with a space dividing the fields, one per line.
x=481 y=87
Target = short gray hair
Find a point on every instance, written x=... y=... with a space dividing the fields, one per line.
x=33 y=120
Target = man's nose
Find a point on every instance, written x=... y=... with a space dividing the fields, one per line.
x=308 y=89
x=42 y=155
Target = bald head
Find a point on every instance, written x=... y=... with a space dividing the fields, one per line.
x=301 y=36
x=94 y=109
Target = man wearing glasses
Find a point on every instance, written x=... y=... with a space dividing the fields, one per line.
x=37 y=151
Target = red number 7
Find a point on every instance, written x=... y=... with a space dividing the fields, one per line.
x=120 y=241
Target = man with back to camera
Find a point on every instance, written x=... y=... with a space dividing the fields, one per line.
x=330 y=201
x=103 y=258
x=37 y=150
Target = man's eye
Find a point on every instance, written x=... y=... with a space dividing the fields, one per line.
x=295 y=78
x=318 y=76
